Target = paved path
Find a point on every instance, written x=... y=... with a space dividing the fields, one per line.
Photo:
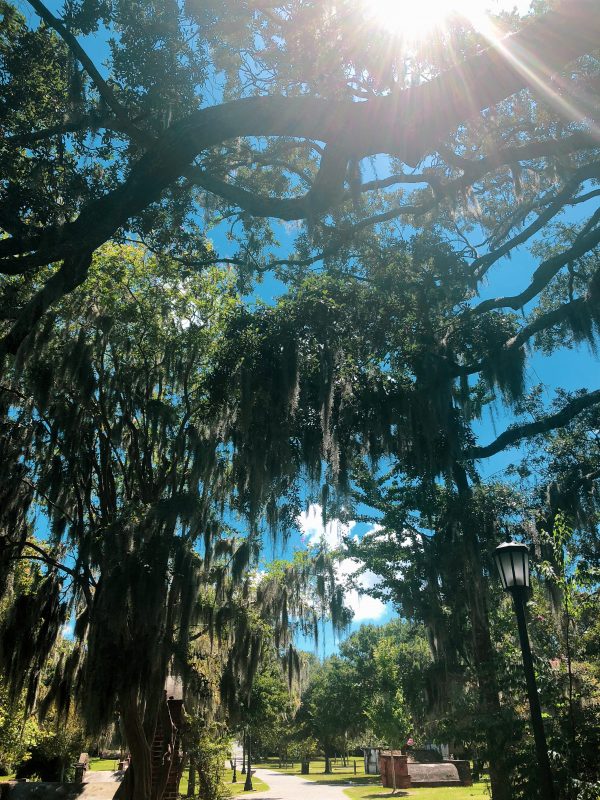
x=103 y=776
x=291 y=787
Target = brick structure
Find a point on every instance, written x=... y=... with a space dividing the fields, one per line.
x=400 y=767
x=166 y=749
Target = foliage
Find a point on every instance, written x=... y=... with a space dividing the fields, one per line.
x=329 y=710
x=392 y=662
x=367 y=693
x=126 y=455
x=414 y=562
x=19 y=732
x=386 y=710
x=207 y=746
x=145 y=409
x=269 y=711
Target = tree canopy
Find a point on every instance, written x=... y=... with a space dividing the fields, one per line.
x=114 y=436
x=139 y=147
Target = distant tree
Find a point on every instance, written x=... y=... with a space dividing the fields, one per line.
x=392 y=658
x=332 y=706
x=270 y=709
x=359 y=694
x=385 y=707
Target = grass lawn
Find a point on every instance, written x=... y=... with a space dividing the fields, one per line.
x=234 y=788
x=103 y=764
x=368 y=787
x=340 y=775
x=478 y=790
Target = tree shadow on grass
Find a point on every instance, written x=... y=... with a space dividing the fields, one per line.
x=381 y=794
x=358 y=782
x=347 y=780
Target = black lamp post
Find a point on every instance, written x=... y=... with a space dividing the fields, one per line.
x=512 y=559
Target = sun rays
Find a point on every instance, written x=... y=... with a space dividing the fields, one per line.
x=414 y=20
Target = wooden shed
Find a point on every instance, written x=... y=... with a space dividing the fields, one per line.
x=371 y=760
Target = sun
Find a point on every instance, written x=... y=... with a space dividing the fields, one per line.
x=414 y=20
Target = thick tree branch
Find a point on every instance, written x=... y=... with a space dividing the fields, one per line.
x=64 y=280
x=516 y=433
x=546 y=321
x=408 y=125
x=398 y=180
x=572 y=310
x=200 y=263
x=50 y=560
x=325 y=191
x=554 y=207
x=78 y=125
x=586 y=241
x=541 y=323
x=473 y=170
x=104 y=90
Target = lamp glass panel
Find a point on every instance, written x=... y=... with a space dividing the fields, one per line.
x=513 y=565
x=500 y=562
x=515 y=575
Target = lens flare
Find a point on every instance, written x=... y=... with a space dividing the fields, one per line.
x=414 y=20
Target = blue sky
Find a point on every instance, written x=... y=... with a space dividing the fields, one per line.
x=569 y=369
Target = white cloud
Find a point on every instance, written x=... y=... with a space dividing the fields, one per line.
x=313 y=531
x=364 y=607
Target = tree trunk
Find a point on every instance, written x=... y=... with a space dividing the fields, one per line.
x=244 y=754
x=248 y=783
x=137 y=783
x=327 y=764
x=192 y=779
x=483 y=650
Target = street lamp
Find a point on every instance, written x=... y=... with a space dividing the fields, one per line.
x=512 y=559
